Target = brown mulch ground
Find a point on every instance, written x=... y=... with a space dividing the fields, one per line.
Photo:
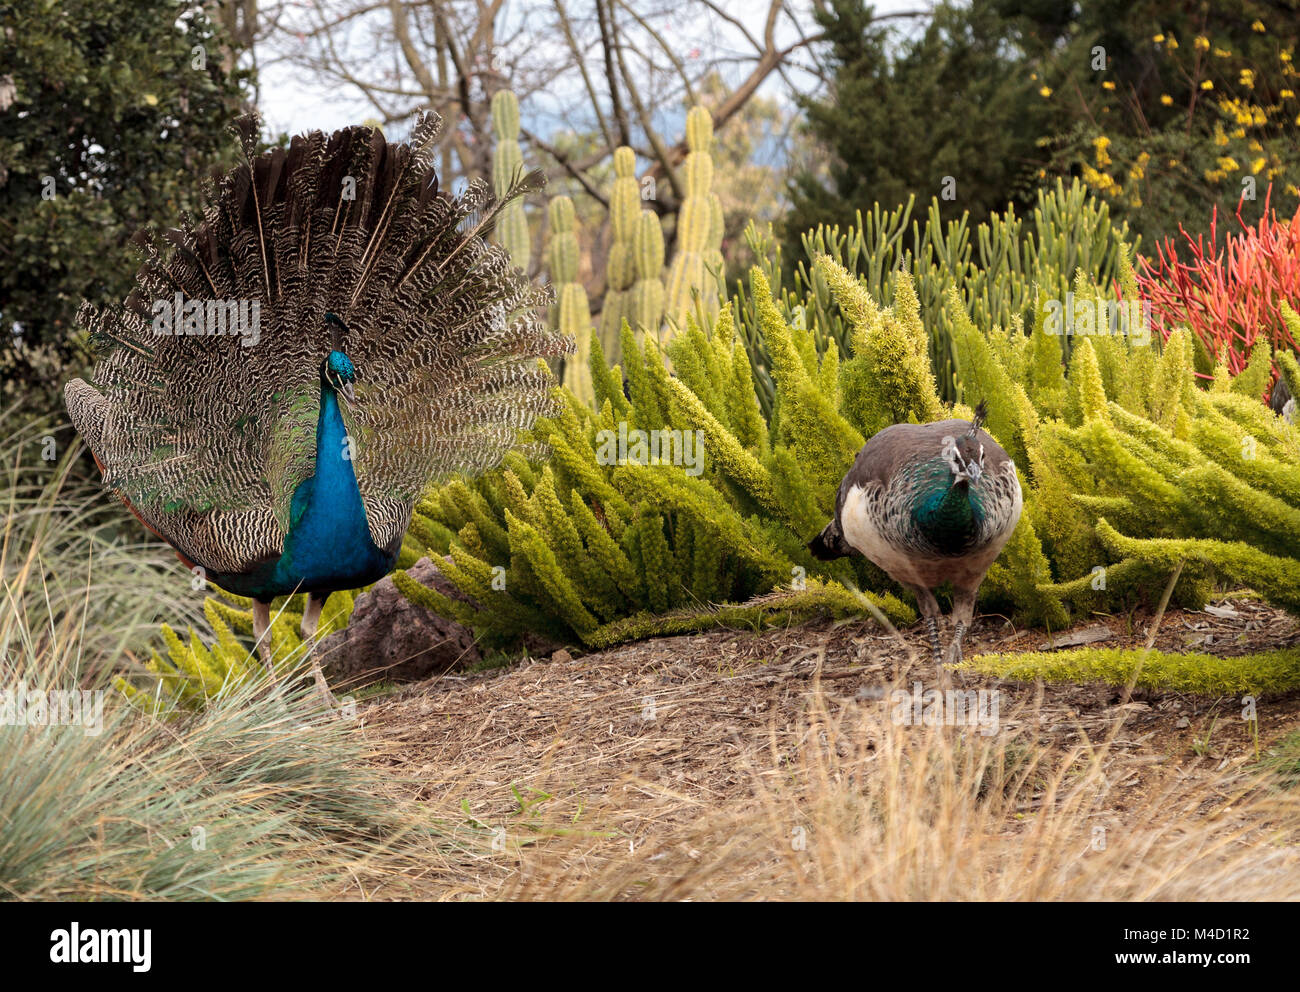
x=657 y=732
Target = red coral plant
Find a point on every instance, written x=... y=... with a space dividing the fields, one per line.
x=1228 y=294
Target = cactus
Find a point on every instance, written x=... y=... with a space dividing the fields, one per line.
x=572 y=311
x=698 y=259
x=507 y=164
x=620 y=270
x=647 y=305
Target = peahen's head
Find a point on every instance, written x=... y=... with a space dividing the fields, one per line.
x=337 y=371
x=965 y=454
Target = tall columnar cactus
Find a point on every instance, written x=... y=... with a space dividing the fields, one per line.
x=507 y=164
x=699 y=226
x=620 y=271
x=647 y=304
x=572 y=311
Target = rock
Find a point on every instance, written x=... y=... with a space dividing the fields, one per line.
x=1089 y=635
x=389 y=637
x=1222 y=612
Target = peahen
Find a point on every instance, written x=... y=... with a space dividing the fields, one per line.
x=1282 y=402
x=928 y=503
x=390 y=344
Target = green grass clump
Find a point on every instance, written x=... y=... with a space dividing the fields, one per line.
x=1193 y=671
x=246 y=801
x=252 y=798
x=1283 y=760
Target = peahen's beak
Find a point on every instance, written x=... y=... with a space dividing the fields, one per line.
x=974 y=472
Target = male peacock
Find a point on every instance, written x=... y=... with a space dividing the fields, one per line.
x=928 y=503
x=390 y=344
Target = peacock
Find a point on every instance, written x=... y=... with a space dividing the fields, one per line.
x=928 y=503
x=379 y=342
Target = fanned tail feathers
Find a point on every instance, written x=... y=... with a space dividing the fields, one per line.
x=444 y=332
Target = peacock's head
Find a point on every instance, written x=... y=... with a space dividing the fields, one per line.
x=337 y=371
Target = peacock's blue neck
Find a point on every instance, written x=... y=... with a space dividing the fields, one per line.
x=329 y=540
x=335 y=492
x=949 y=514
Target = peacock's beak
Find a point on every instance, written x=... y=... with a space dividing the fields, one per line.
x=349 y=392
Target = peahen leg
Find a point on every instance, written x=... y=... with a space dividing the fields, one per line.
x=931 y=612
x=262 y=634
x=310 y=621
x=963 y=613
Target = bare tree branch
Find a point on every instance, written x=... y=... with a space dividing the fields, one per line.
x=567 y=165
x=607 y=43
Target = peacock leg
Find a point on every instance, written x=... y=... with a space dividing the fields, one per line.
x=310 y=621
x=931 y=612
x=262 y=634
x=963 y=613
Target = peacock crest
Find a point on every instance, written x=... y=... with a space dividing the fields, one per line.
x=339 y=243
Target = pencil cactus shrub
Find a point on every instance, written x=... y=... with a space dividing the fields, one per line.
x=699 y=227
x=999 y=267
x=620 y=269
x=1230 y=294
x=572 y=309
x=507 y=165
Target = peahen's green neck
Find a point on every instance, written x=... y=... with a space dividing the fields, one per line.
x=949 y=516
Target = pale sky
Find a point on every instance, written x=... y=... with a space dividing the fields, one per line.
x=294 y=104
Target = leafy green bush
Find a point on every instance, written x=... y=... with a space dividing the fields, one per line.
x=191 y=674
x=589 y=549
x=111 y=110
x=1128 y=469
